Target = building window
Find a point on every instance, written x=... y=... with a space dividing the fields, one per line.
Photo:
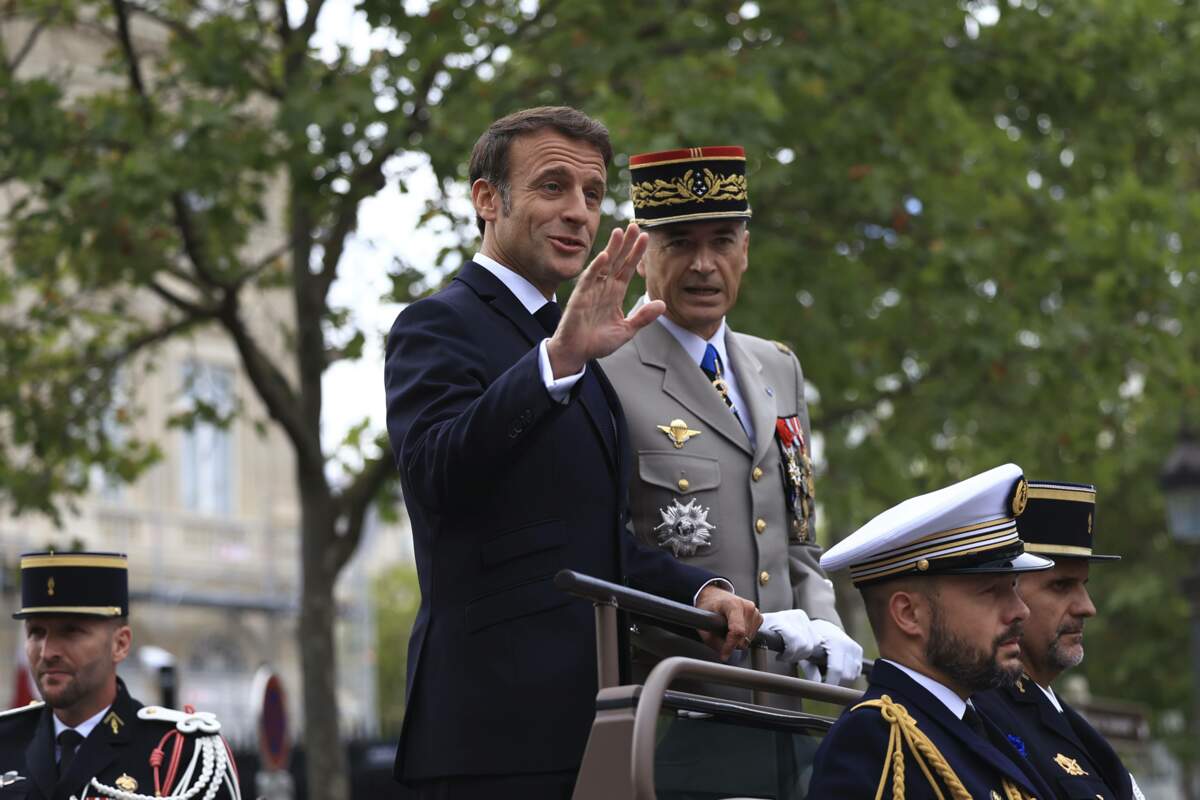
x=207 y=456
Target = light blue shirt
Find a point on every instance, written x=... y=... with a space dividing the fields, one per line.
x=695 y=347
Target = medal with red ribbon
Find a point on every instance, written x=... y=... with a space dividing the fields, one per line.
x=797 y=476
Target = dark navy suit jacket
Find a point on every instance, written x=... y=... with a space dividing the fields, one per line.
x=850 y=760
x=1047 y=735
x=504 y=487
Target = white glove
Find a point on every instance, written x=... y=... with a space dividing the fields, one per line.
x=800 y=640
x=843 y=655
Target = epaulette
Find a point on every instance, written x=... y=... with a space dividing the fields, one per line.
x=185 y=721
x=34 y=705
x=781 y=347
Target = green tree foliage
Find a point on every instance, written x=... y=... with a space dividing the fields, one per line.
x=973 y=223
x=396 y=596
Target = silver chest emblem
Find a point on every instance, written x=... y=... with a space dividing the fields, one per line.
x=684 y=528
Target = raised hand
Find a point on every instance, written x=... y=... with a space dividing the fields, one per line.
x=593 y=324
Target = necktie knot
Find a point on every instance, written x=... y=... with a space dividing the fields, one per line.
x=711 y=363
x=548 y=316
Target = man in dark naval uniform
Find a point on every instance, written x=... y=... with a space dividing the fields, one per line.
x=1067 y=751
x=89 y=738
x=938 y=575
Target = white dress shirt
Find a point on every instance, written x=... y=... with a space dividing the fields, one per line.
x=532 y=300
x=949 y=698
x=1050 y=695
x=695 y=347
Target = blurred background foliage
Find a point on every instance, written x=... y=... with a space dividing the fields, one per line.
x=974 y=222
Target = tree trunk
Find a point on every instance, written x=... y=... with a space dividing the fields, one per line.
x=327 y=770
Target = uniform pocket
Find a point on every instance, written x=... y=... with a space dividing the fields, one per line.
x=675 y=502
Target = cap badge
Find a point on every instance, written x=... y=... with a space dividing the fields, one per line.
x=1089 y=524
x=693 y=187
x=1020 y=497
x=126 y=783
x=684 y=528
x=113 y=721
x=50 y=587
x=678 y=432
x=1069 y=765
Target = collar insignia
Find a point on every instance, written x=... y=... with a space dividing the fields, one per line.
x=1020 y=684
x=113 y=721
x=678 y=432
x=1069 y=765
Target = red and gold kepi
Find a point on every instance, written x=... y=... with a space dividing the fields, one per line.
x=691 y=184
x=76 y=584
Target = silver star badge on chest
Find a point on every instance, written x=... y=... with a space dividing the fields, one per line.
x=684 y=528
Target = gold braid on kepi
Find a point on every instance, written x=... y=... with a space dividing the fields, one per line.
x=924 y=752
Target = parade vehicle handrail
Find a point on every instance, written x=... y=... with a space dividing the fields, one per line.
x=624 y=745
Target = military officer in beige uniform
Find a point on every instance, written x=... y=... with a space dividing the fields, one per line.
x=718 y=421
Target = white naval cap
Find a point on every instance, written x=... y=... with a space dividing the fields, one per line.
x=969 y=527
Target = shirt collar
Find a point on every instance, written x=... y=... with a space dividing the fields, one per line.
x=1050 y=695
x=949 y=699
x=525 y=292
x=693 y=344
x=84 y=728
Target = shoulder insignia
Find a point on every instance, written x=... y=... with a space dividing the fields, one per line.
x=185 y=721
x=34 y=705
x=781 y=347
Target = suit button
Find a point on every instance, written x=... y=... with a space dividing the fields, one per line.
x=760 y=526
x=764 y=578
x=757 y=473
x=683 y=484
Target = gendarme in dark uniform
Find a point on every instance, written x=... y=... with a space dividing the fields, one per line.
x=1069 y=753
x=74 y=607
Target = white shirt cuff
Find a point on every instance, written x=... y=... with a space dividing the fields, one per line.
x=558 y=389
x=724 y=584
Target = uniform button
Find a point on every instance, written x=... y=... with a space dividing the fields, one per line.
x=764 y=578
x=683 y=484
x=760 y=526
x=757 y=473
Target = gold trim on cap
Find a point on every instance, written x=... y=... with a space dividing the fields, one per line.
x=98 y=611
x=702 y=215
x=74 y=560
x=1058 y=549
x=1060 y=493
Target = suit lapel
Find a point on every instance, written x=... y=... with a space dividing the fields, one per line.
x=1049 y=717
x=937 y=711
x=599 y=407
x=761 y=406
x=685 y=382
x=39 y=754
x=497 y=295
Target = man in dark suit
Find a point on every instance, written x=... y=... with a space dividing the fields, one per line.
x=937 y=573
x=89 y=738
x=1068 y=752
x=514 y=460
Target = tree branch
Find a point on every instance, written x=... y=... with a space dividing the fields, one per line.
x=273 y=387
x=30 y=41
x=176 y=300
x=356 y=499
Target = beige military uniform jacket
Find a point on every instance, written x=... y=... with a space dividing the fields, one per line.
x=736 y=486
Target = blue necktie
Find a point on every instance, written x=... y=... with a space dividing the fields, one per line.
x=711 y=366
